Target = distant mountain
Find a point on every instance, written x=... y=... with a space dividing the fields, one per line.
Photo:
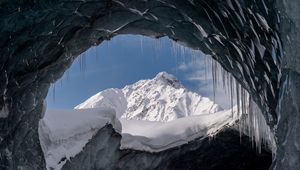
x=162 y=98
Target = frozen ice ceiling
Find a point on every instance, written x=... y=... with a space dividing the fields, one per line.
x=40 y=39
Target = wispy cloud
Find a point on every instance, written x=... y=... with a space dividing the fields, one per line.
x=198 y=71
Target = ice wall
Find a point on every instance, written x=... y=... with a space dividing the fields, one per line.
x=288 y=127
x=40 y=39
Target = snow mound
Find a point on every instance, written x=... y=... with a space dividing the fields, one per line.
x=64 y=133
x=153 y=136
x=162 y=99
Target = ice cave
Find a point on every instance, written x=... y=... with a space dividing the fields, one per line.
x=157 y=123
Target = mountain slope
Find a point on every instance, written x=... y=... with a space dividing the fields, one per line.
x=162 y=98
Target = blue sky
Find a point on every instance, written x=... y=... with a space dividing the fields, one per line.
x=126 y=59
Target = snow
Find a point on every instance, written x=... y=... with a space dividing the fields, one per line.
x=151 y=115
x=64 y=133
x=162 y=98
x=110 y=98
x=155 y=136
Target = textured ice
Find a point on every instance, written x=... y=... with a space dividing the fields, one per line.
x=33 y=63
x=3 y=112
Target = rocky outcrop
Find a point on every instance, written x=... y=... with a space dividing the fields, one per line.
x=226 y=150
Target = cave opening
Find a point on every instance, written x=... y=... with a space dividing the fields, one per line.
x=198 y=72
x=130 y=58
x=41 y=39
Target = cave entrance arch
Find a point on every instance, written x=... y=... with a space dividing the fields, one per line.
x=148 y=50
x=126 y=59
x=241 y=36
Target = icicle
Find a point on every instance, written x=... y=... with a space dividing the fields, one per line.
x=182 y=51
x=251 y=120
x=205 y=69
x=141 y=45
x=253 y=123
x=217 y=73
x=53 y=92
x=108 y=45
x=228 y=83
x=68 y=75
x=96 y=54
x=176 y=64
x=174 y=48
x=237 y=97
x=175 y=54
x=231 y=93
x=157 y=47
x=223 y=80
x=82 y=63
x=213 y=73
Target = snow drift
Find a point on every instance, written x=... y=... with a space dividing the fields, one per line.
x=155 y=136
x=63 y=133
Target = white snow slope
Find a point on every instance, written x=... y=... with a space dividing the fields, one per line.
x=152 y=136
x=160 y=99
x=155 y=115
x=63 y=133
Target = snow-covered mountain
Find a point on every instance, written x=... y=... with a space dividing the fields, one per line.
x=151 y=115
x=162 y=98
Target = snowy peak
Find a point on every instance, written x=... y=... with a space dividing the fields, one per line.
x=167 y=79
x=162 y=98
x=110 y=98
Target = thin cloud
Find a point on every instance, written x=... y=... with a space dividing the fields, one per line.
x=198 y=72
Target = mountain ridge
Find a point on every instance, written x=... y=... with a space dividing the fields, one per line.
x=162 y=98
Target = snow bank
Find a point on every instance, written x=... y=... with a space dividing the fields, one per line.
x=158 y=136
x=64 y=133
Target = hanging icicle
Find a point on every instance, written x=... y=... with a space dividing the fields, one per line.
x=141 y=44
x=97 y=54
x=53 y=92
